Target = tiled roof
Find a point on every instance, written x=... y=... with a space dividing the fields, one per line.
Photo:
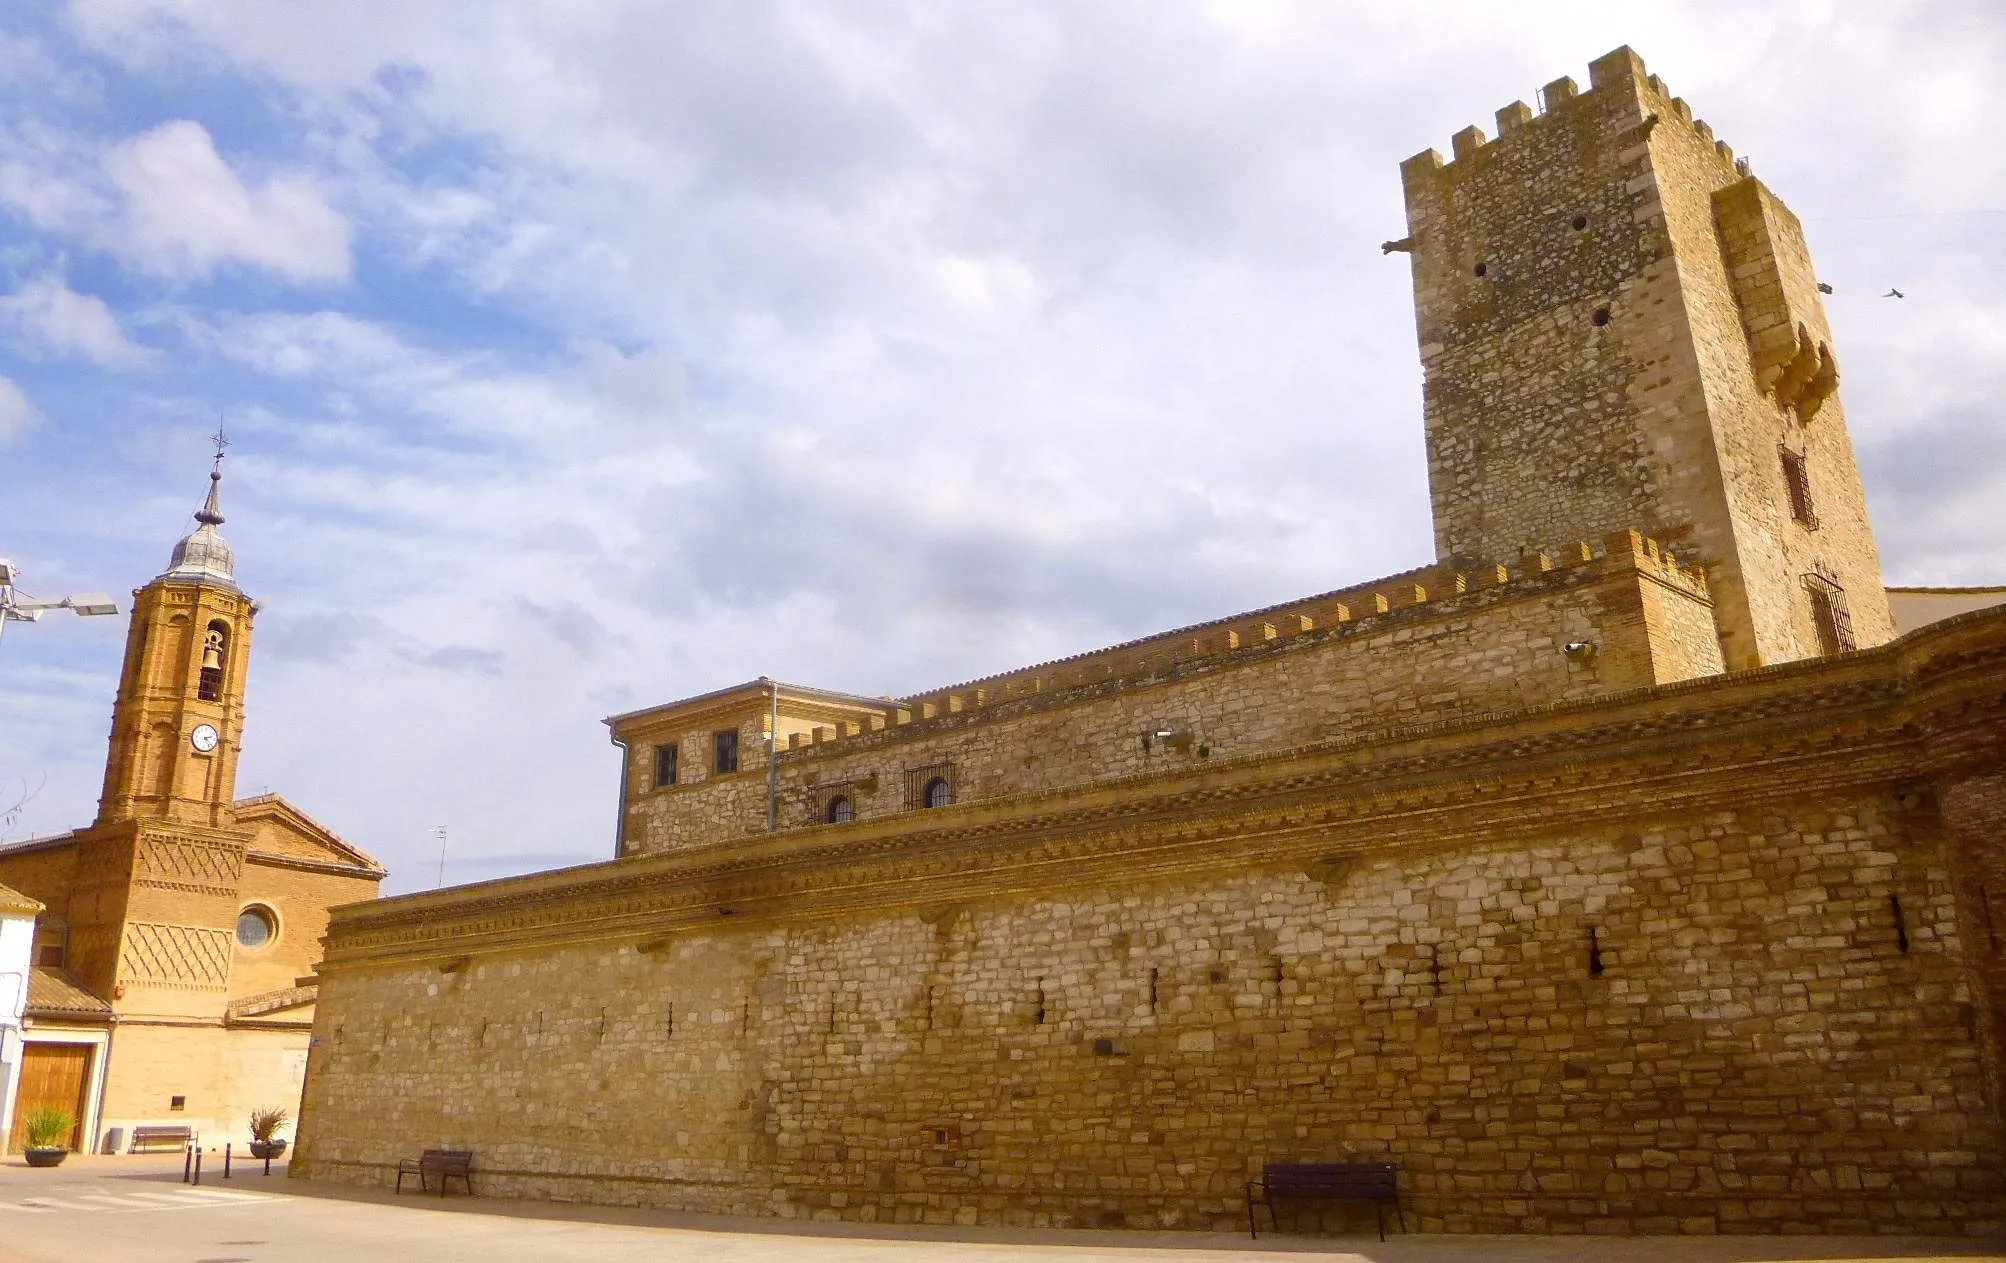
x=272 y=1002
x=14 y=903
x=54 y=993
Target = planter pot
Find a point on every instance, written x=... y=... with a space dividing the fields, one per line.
x=45 y=1157
x=268 y=1148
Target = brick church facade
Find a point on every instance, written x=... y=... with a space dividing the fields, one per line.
x=1621 y=870
x=173 y=953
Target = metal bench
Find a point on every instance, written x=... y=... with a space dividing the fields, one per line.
x=444 y=1163
x=1376 y=1182
x=148 y=1139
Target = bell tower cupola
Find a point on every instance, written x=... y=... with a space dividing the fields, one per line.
x=177 y=725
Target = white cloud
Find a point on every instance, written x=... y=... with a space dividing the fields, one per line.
x=47 y=313
x=16 y=412
x=185 y=211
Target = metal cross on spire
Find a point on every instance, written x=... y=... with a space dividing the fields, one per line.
x=211 y=512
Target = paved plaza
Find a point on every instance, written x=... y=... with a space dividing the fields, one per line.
x=112 y=1210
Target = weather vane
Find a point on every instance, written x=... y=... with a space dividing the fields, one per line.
x=221 y=441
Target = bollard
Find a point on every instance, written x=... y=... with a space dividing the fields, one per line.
x=198 y=1164
x=226 y=1158
x=187 y=1160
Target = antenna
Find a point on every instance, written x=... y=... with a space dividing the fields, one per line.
x=438 y=830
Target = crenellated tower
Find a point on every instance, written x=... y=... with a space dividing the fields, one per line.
x=1621 y=329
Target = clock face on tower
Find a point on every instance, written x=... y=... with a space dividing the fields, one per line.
x=203 y=737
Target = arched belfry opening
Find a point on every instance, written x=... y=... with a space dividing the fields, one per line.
x=215 y=657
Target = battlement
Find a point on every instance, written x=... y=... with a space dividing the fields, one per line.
x=1363 y=609
x=1619 y=85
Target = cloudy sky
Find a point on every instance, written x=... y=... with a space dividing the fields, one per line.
x=579 y=356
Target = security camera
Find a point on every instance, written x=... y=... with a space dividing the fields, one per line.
x=1579 y=650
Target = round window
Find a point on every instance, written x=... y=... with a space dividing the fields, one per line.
x=256 y=927
x=839 y=809
x=938 y=792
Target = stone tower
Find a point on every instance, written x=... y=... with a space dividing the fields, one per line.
x=1620 y=329
x=156 y=894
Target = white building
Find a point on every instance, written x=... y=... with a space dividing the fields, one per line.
x=17 y=945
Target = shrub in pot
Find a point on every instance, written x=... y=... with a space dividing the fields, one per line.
x=264 y=1127
x=48 y=1133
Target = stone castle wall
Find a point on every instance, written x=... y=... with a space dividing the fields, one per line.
x=1485 y=650
x=1692 y=960
x=1130 y=1054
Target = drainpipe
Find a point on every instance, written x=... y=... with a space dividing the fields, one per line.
x=620 y=823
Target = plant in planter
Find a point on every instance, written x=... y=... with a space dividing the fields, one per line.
x=48 y=1133
x=264 y=1126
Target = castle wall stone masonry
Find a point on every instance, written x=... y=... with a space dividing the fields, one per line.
x=1472 y=652
x=1673 y=961
x=1640 y=884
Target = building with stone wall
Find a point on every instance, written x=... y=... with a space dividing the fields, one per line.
x=1619 y=871
x=177 y=928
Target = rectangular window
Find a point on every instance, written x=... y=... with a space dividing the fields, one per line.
x=52 y=940
x=665 y=766
x=724 y=751
x=209 y=686
x=1797 y=477
x=1830 y=615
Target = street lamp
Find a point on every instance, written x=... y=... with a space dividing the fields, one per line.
x=13 y=609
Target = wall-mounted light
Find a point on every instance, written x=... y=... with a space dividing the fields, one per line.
x=1579 y=651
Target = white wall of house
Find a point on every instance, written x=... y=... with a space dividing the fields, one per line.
x=17 y=946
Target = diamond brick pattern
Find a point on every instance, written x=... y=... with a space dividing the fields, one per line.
x=176 y=954
x=177 y=862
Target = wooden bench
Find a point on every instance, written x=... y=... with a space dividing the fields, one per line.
x=147 y=1139
x=1376 y=1182
x=444 y=1163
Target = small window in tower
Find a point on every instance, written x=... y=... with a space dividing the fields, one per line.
x=839 y=810
x=1797 y=477
x=1483 y=269
x=215 y=643
x=724 y=751
x=1601 y=317
x=665 y=765
x=1829 y=615
x=938 y=792
x=1580 y=223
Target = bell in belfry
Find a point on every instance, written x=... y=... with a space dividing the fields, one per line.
x=212 y=650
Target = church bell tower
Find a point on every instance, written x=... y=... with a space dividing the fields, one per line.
x=155 y=896
x=178 y=722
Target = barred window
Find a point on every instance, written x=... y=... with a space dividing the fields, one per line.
x=724 y=751
x=1829 y=614
x=665 y=765
x=1797 y=477
x=839 y=810
x=929 y=786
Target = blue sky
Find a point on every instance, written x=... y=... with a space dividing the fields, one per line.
x=578 y=356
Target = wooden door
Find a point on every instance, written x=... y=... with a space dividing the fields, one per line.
x=51 y=1074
